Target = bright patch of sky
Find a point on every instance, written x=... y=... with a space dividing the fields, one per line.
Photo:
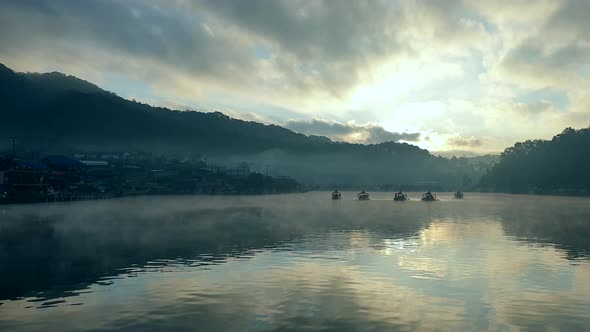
x=558 y=99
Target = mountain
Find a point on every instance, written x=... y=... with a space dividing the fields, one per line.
x=559 y=165
x=62 y=114
x=56 y=83
x=46 y=85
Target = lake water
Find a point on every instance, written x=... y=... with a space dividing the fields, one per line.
x=297 y=262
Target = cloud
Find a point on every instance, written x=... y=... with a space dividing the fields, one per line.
x=516 y=13
x=555 y=54
x=465 y=142
x=349 y=132
x=456 y=153
x=142 y=31
x=247 y=116
x=534 y=108
x=313 y=47
x=281 y=47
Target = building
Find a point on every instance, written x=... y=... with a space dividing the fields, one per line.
x=64 y=173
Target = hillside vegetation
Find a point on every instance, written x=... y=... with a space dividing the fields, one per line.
x=559 y=165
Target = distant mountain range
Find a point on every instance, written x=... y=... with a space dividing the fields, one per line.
x=57 y=113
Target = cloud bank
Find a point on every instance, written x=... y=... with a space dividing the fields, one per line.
x=349 y=132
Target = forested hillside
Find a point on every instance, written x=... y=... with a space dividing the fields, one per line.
x=561 y=164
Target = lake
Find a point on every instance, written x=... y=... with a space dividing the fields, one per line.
x=298 y=262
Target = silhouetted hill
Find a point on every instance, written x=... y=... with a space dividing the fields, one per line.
x=559 y=165
x=45 y=86
x=59 y=113
x=56 y=83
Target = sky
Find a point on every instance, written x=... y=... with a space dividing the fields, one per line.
x=457 y=77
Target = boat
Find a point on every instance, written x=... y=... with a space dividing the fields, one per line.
x=363 y=196
x=399 y=196
x=336 y=195
x=429 y=197
x=458 y=195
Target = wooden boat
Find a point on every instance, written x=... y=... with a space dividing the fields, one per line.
x=363 y=196
x=399 y=196
x=429 y=197
x=336 y=195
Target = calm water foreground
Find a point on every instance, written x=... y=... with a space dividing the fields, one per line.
x=297 y=263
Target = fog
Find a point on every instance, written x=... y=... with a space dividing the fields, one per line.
x=402 y=171
x=75 y=244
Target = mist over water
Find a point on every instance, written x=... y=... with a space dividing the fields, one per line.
x=297 y=262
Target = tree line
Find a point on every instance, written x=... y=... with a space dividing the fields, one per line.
x=559 y=165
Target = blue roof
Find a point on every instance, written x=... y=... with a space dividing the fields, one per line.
x=32 y=164
x=62 y=161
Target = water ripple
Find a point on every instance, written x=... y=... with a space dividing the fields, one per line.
x=482 y=264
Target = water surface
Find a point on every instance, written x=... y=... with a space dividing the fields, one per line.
x=297 y=263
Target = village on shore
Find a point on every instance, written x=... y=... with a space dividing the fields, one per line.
x=105 y=175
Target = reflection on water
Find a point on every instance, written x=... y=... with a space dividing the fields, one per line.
x=297 y=262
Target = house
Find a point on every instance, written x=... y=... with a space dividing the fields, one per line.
x=64 y=172
x=62 y=163
x=95 y=163
x=97 y=170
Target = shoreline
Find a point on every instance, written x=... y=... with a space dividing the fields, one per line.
x=103 y=197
